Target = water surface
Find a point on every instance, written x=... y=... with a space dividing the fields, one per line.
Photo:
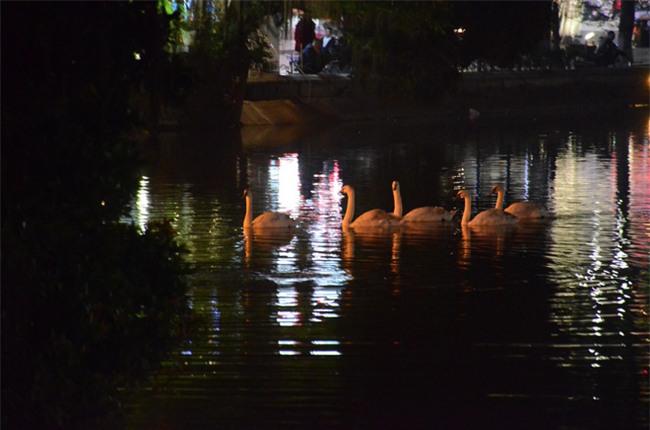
x=540 y=326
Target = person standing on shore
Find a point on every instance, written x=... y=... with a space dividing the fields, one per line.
x=305 y=32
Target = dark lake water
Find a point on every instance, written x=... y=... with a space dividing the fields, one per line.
x=544 y=325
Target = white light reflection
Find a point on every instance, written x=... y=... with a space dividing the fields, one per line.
x=286 y=171
x=142 y=203
x=322 y=214
x=526 y=178
x=323 y=351
x=318 y=348
x=319 y=273
x=325 y=303
x=287 y=298
x=283 y=344
x=325 y=231
x=592 y=307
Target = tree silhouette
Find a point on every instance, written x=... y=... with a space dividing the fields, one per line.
x=89 y=303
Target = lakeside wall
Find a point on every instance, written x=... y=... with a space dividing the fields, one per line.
x=301 y=99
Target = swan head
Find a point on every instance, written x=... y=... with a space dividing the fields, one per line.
x=395 y=185
x=347 y=189
x=496 y=189
x=462 y=194
x=247 y=193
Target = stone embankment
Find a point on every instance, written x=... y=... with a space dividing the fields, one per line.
x=301 y=99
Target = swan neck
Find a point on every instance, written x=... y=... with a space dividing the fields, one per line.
x=248 y=218
x=397 y=198
x=349 y=211
x=500 y=196
x=467 y=212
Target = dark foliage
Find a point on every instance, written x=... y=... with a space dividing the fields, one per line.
x=400 y=49
x=413 y=49
x=89 y=304
x=500 y=33
x=220 y=57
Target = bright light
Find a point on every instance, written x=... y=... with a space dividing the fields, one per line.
x=287 y=297
x=334 y=353
x=288 y=171
x=142 y=203
x=590 y=35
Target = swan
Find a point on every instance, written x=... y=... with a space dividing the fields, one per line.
x=274 y=220
x=423 y=214
x=522 y=210
x=374 y=218
x=486 y=217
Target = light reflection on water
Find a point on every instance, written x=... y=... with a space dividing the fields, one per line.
x=545 y=322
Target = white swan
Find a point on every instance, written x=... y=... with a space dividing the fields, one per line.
x=374 y=218
x=522 y=210
x=423 y=214
x=486 y=217
x=275 y=220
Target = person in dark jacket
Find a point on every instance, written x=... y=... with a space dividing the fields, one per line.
x=305 y=32
x=329 y=41
x=313 y=57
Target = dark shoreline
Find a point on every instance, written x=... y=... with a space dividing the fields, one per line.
x=285 y=100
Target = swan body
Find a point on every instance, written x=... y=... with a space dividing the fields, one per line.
x=423 y=214
x=429 y=214
x=374 y=218
x=486 y=217
x=274 y=220
x=522 y=210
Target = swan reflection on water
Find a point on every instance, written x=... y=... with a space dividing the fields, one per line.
x=262 y=244
x=489 y=236
x=370 y=240
x=500 y=245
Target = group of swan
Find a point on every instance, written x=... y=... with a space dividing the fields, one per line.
x=498 y=216
x=423 y=214
x=381 y=219
x=375 y=218
x=492 y=216
x=522 y=210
